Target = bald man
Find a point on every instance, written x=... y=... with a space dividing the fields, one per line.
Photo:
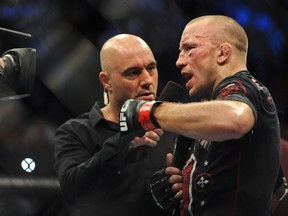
x=99 y=173
x=233 y=165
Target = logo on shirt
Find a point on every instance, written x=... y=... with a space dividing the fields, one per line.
x=205 y=144
x=258 y=84
x=202 y=182
x=233 y=88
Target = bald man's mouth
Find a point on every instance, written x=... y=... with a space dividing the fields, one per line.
x=146 y=96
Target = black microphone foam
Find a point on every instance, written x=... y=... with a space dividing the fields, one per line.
x=172 y=92
x=181 y=151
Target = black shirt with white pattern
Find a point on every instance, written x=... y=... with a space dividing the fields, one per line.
x=236 y=177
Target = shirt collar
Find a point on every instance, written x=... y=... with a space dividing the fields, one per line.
x=96 y=116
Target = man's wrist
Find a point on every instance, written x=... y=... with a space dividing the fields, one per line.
x=146 y=115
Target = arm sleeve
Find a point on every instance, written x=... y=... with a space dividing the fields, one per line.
x=239 y=89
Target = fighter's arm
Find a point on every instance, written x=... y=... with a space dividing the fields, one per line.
x=213 y=120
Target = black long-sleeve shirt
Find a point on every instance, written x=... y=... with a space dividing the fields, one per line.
x=99 y=174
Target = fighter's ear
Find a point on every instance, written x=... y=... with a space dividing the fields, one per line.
x=225 y=51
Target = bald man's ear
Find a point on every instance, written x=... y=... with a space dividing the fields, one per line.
x=104 y=79
x=225 y=51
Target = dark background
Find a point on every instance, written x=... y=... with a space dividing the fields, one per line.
x=68 y=35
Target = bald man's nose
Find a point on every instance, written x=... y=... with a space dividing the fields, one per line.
x=146 y=78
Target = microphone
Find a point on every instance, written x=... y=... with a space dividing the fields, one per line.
x=181 y=150
x=172 y=92
x=9 y=3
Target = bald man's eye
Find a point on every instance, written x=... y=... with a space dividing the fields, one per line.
x=152 y=68
x=132 y=74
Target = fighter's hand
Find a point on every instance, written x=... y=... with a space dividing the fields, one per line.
x=136 y=117
x=150 y=138
x=175 y=179
x=166 y=186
